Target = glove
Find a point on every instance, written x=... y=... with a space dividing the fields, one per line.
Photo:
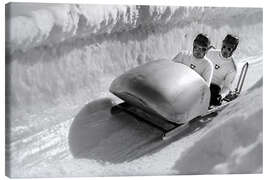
x=231 y=96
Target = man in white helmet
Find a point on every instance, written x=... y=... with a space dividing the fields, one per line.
x=224 y=70
x=197 y=60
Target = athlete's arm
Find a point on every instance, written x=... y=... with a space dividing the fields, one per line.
x=229 y=78
x=208 y=73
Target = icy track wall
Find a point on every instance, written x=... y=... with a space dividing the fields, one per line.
x=69 y=54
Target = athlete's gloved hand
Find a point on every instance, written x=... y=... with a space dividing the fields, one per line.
x=231 y=96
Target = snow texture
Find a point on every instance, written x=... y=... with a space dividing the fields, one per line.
x=60 y=61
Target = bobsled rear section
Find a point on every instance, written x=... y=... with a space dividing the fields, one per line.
x=168 y=89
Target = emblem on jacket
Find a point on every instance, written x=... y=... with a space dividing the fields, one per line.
x=192 y=66
x=217 y=66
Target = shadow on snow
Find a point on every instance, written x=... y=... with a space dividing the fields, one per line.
x=97 y=134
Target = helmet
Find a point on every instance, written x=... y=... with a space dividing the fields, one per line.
x=202 y=40
x=232 y=40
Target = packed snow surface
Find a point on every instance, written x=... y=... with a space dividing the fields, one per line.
x=60 y=61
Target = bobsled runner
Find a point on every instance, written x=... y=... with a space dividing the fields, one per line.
x=168 y=95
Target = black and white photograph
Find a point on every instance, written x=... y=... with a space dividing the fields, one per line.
x=99 y=90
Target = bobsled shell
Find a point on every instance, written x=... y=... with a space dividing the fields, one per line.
x=169 y=89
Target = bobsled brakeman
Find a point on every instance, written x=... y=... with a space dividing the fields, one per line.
x=166 y=94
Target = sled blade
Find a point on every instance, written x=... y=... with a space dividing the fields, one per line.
x=217 y=108
x=175 y=131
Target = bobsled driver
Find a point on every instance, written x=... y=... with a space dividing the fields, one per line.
x=224 y=70
x=197 y=60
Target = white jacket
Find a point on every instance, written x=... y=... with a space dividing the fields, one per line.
x=202 y=66
x=224 y=70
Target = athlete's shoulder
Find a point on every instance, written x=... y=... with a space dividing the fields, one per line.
x=208 y=62
x=185 y=53
x=213 y=54
x=234 y=63
x=181 y=56
x=214 y=50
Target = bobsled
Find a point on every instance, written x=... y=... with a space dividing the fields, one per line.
x=163 y=88
x=168 y=95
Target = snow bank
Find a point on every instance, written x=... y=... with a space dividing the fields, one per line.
x=56 y=23
x=59 y=22
x=234 y=144
x=66 y=54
